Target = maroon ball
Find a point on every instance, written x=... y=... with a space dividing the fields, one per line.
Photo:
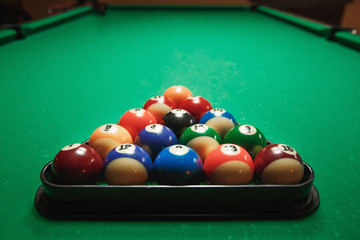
x=77 y=164
x=278 y=164
x=196 y=106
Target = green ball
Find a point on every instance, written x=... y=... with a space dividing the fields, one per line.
x=198 y=130
x=200 y=138
x=248 y=137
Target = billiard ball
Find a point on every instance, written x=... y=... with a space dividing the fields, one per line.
x=135 y=120
x=200 y=138
x=278 y=164
x=248 y=137
x=77 y=164
x=159 y=106
x=127 y=164
x=229 y=164
x=178 y=165
x=108 y=136
x=178 y=120
x=177 y=94
x=196 y=106
x=154 y=138
x=220 y=120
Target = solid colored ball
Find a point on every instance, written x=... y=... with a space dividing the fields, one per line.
x=279 y=164
x=127 y=164
x=108 y=136
x=177 y=94
x=159 y=106
x=200 y=138
x=77 y=164
x=178 y=165
x=154 y=138
x=248 y=137
x=220 y=120
x=135 y=120
x=178 y=120
x=196 y=106
x=229 y=164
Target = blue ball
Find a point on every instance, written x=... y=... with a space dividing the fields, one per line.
x=217 y=112
x=129 y=151
x=219 y=120
x=154 y=138
x=178 y=165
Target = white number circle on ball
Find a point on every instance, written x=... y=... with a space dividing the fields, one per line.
x=230 y=149
x=287 y=149
x=137 y=110
x=247 y=129
x=108 y=128
x=200 y=128
x=179 y=111
x=125 y=148
x=217 y=110
x=71 y=146
x=157 y=97
x=154 y=128
x=179 y=150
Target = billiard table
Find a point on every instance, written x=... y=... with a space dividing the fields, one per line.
x=295 y=79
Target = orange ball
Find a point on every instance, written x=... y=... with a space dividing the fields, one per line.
x=177 y=94
x=135 y=120
x=107 y=137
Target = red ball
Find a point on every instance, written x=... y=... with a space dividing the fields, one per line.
x=77 y=164
x=229 y=164
x=196 y=106
x=135 y=120
x=278 y=164
x=159 y=106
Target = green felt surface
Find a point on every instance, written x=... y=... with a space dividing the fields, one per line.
x=60 y=84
